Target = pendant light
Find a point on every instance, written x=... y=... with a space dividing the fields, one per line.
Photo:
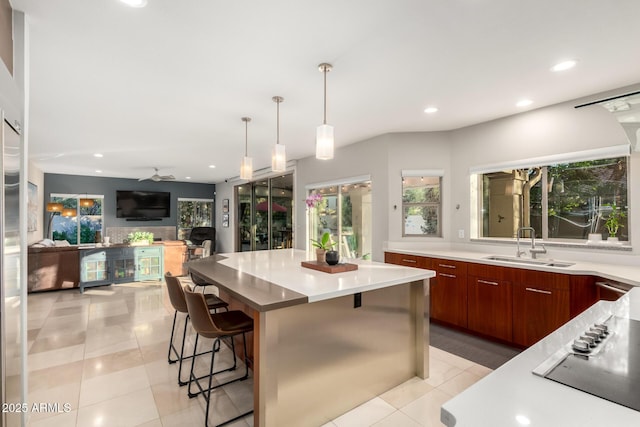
x=279 y=155
x=324 y=133
x=246 y=168
x=86 y=202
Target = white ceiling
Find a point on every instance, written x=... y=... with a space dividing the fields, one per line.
x=165 y=86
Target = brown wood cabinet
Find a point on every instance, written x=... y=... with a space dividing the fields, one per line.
x=50 y=269
x=512 y=304
x=490 y=301
x=541 y=303
x=449 y=292
x=175 y=255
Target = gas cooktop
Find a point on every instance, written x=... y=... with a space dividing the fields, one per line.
x=604 y=361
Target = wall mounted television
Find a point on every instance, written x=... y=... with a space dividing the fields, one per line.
x=143 y=205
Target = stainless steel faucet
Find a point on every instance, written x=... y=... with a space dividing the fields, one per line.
x=533 y=251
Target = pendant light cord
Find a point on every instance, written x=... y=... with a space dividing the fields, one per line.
x=278 y=122
x=324 y=72
x=246 y=121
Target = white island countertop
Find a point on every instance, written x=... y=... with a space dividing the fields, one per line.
x=276 y=278
x=513 y=396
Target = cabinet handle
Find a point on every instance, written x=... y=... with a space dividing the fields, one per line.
x=540 y=291
x=446 y=266
x=486 y=282
x=409 y=260
x=453 y=276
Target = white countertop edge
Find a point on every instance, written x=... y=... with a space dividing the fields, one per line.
x=427 y=275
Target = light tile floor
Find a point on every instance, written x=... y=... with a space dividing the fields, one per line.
x=104 y=355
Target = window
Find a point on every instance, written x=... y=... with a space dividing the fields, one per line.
x=342 y=209
x=193 y=213
x=421 y=204
x=81 y=224
x=567 y=201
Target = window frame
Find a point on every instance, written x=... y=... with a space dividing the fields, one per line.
x=342 y=245
x=477 y=175
x=53 y=197
x=184 y=231
x=429 y=174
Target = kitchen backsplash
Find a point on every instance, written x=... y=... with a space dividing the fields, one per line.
x=119 y=234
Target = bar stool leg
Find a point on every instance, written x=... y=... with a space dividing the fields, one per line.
x=171 y=346
x=184 y=338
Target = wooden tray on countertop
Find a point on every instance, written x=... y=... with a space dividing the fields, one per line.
x=326 y=268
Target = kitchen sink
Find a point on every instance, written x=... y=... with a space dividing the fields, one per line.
x=529 y=261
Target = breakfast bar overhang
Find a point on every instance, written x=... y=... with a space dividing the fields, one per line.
x=324 y=343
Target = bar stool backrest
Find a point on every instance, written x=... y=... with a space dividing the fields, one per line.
x=200 y=316
x=176 y=293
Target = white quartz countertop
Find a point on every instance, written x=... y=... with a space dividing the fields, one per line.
x=629 y=274
x=268 y=280
x=513 y=396
x=283 y=268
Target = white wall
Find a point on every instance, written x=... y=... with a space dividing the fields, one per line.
x=546 y=131
x=363 y=158
x=552 y=130
x=225 y=236
x=36 y=176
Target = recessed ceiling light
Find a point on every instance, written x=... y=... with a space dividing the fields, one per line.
x=564 y=65
x=430 y=110
x=524 y=103
x=212 y=166
x=98 y=171
x=187 y=177
x=98 y=155
x=135 y=3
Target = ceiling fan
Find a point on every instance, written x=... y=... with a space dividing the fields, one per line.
x=156 y=177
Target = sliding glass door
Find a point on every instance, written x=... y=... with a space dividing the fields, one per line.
x=265 y=214
x=343 y=210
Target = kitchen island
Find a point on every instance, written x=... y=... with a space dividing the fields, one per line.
x=324 y=343
x=513 y=396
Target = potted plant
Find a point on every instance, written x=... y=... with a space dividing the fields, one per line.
x=613 y=222
x=140 y=238
x=322 y=245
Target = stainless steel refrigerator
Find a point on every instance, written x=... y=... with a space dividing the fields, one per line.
x=12 y=296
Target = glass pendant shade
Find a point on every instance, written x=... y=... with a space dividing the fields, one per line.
x=246 y=168
x=279 y=158
x=324 y=142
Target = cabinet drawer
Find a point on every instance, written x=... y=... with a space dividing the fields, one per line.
x=446 y=266
x=542 y=280
x=148 y=251
x=406 y=260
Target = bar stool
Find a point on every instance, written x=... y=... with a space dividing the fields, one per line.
x=176 y=296
x=216 y=326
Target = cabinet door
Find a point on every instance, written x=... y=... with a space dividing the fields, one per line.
x=94 y=269
x=538 y=310
x=490 y=307
x=148 y=263
x=449 y=292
